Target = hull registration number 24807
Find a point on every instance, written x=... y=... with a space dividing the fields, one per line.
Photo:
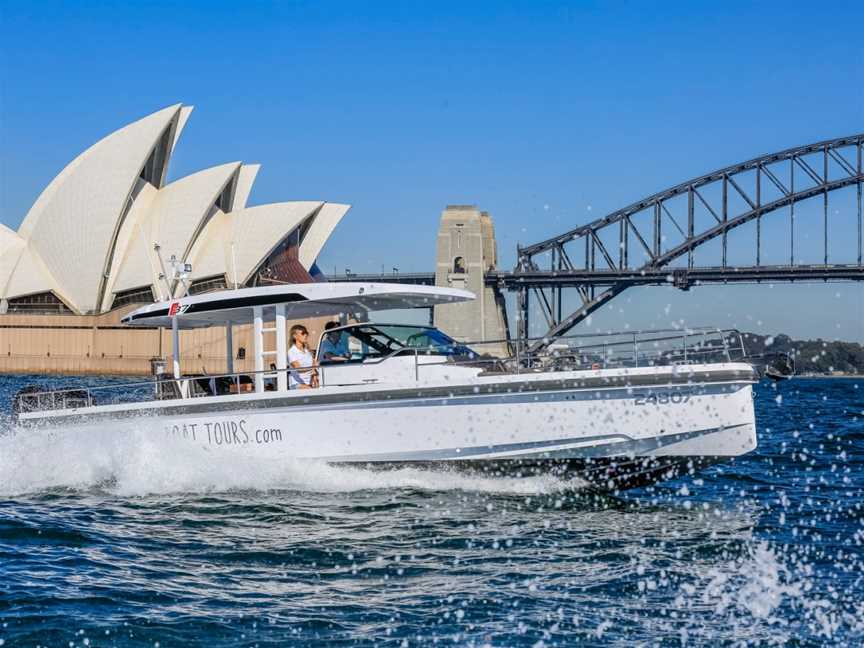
x=663 y=398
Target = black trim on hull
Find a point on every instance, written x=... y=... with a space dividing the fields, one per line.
x=607 y=474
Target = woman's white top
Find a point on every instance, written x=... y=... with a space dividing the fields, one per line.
x=299 y=376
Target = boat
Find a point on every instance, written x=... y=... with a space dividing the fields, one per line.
x=612 y=412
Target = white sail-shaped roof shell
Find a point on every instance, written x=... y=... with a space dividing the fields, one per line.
x=171 y=218
x=11 y=247
x=245 y=179
x=182 y=118
x=237 y=243
x=260 y=229
x=31 y=276
x=21 y=270
x=181 y=209
x=211 y=255
x=73 y=223
x=90 y=236
x=319 y=231
x=133 y=266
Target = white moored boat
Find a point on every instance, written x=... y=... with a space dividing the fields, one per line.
x=618 y=412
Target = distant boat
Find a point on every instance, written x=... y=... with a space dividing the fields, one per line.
x=779 y=366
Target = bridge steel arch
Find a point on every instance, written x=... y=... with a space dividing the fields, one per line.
x=791 y=176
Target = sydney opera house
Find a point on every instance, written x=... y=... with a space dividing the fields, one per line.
x=96 y=241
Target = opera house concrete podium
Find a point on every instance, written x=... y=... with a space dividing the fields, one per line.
x=95 y=242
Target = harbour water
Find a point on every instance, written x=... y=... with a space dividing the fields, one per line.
x=114 y=542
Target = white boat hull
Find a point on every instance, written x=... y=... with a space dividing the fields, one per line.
x=616 y=428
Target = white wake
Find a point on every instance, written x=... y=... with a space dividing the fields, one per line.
x=131 y=462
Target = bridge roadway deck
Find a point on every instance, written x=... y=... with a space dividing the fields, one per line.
x=415 y=278
x=679 y=277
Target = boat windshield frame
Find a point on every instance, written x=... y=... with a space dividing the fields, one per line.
x=380 y=339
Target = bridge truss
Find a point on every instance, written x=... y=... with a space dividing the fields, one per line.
x=653 y=241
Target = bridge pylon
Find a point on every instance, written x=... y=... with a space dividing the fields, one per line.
x=466 y=252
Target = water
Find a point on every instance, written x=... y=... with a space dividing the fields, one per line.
x=114 y=542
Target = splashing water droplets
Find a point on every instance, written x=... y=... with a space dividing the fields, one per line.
x=132 y=462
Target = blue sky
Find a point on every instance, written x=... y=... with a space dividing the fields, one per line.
x=545 y=114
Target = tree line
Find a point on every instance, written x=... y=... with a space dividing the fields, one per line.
x=811 y=356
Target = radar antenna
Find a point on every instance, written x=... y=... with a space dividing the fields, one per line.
x=179 y=272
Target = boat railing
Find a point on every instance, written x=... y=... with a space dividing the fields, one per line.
x=158 y=388
x=643 y=348
x=596 y=351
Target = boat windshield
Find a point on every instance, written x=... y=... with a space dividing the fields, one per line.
x=376 y=340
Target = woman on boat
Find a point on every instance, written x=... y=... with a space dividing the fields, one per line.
x=303 y=374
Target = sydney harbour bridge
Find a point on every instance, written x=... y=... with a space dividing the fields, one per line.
x=683 y=236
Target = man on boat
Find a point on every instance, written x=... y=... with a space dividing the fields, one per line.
x=334 y=345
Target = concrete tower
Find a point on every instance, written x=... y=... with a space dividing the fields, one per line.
x=466 y=251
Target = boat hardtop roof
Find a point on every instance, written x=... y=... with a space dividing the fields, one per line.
x=300 y=300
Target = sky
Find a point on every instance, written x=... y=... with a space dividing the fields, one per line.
x=545 y=114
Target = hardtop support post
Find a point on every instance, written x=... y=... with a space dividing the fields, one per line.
x=175 y=346
x=281 y=350
x=229 y=348
x=258 y=347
